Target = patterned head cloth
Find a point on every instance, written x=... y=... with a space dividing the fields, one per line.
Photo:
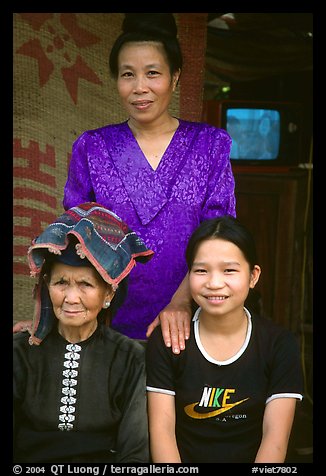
x=86 y=235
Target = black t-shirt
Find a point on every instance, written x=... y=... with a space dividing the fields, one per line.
x=220 y=405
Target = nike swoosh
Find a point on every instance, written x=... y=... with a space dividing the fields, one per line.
x=189 y=409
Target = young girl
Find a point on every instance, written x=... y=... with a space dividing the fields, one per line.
x=230 y=396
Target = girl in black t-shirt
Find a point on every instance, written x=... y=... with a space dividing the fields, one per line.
x=230 y=396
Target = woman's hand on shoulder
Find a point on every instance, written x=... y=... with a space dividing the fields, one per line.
x=175 y=324
x=22 y=326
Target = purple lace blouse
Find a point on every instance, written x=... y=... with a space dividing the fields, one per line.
x=193 y=182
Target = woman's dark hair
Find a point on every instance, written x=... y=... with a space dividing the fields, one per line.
x=159 y=27
x=118 y=298
x=227 y=228
x=230 y=229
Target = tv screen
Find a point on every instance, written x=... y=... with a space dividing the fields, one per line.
x=263 y=133
x=255 y=133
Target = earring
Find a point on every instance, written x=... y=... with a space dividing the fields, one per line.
x=107 y=304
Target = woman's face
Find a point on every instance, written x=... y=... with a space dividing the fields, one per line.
x=220 y=277
x=144 y=80
x=78 y=293
x=264 y=126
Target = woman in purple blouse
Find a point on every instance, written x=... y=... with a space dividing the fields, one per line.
x=160 y=174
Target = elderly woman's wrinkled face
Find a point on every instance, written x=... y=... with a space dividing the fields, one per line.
x=78 y=293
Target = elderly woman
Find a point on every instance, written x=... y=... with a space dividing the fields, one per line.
x=79 y=385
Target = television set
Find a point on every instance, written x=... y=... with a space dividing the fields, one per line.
x=264 y=133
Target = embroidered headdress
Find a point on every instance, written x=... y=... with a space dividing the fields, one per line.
x=100 y=239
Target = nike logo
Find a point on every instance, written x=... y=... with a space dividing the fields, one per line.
x=190 y=410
